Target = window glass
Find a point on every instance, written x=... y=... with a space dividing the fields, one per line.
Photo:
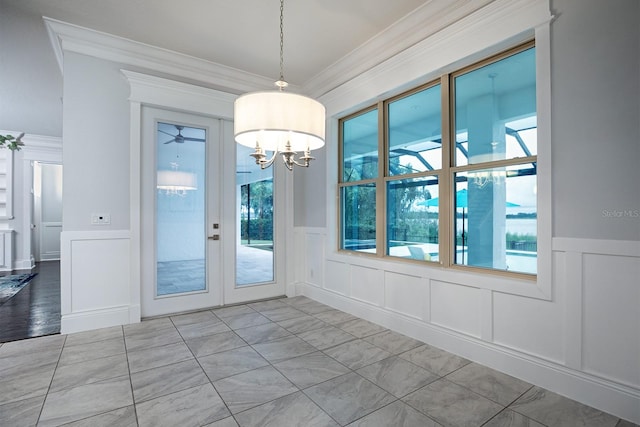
x=495 y=110
x=415 y=132
x=359 y=218
x=496 y=218
x=412 y=218
x=360 y=147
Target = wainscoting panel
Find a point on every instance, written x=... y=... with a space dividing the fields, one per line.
x=406 y=295
x=337 y=275
x=581 y=340
x=611 y=342
x=529 y=325
x=367 y=284
x=456 y=307
x=95 y=280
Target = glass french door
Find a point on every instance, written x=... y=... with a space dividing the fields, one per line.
x=210 y=233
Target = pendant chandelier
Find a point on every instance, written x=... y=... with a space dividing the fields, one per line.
x=279 y=122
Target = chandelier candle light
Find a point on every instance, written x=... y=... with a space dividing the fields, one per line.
x=279 y=122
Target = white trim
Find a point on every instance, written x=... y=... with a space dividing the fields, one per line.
x=495 y=27
x=401 y=35
x=597 y=246
x=157 y=91
x=100 y=318
x=67 y=37
x=41 y=148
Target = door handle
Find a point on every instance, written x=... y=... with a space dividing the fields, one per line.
x=214 y=237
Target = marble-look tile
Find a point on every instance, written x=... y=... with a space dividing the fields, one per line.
x=231 y=362
x=215 y=343
x=152 y=337
x=22 y=412
x=302 y=324
x=35 y=345
x=313 y=307
x=15 y=363
x=393 y=342
x=123 y=417
x=191 y=318
x=397 y=414
x=311 y=369
x=149 y=358
x=493 y=385
x=267 y=305
x=348 y=397
x=282 y=313
x=294 y=410
x=226 y=422
x=91 y=351
x=168 y=379
x=89 y=372
x=625 y=423
x=85 y=401
x=298 y=300
x=208 y=327
x=80 y=338
x=452 y=405
x=357 y=354
x=326 y=337
x=360 y=328
x=246 y=320
x=509 y=418
x=235 y=310
x=397 y=376
x=262 y=333
x=21 y=384
x=334 y=316
x=552 y=409
x=283 y=348
x=435 y=360
x=247 y=390
x=191 y=407
x=147 y=326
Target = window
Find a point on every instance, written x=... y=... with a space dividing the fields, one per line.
x=447 y=172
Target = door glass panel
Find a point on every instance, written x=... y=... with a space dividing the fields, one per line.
x=180 y=209
x=254 y=248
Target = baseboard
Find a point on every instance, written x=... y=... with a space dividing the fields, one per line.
x=96 y=319
x=607 y=396
x=24 y=264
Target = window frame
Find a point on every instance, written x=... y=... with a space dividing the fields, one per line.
x=446 y=174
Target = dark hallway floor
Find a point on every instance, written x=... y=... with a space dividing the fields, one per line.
x=35 y=310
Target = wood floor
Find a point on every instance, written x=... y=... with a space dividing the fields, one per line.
x=35 y=310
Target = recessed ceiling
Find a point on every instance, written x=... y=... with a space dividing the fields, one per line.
x=242 y=34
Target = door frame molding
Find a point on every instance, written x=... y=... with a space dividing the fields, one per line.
x=159 y=92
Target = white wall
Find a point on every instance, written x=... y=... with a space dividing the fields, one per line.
x=595 y=71
x=30 y=79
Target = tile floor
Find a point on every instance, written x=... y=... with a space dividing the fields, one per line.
x=288 y=362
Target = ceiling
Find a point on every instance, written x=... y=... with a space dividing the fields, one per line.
x=242 y=34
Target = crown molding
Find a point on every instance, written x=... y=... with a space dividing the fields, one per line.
x=39 y=147
x=152 y=90
x=67 y=37
x=496 y=26
x=425 y=21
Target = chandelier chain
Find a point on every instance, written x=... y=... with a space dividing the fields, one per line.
x=281 y=41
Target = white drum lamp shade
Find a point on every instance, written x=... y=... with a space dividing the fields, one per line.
x=270 y=119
